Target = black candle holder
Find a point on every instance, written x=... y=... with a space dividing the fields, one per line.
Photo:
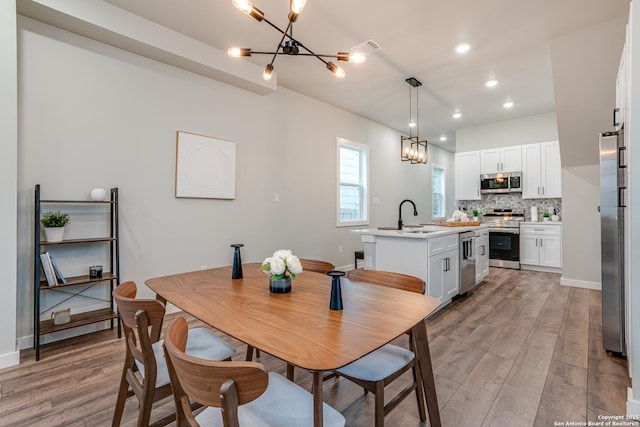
x=336 y=292
x=236 y=273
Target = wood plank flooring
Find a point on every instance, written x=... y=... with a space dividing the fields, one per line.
x=521 y=350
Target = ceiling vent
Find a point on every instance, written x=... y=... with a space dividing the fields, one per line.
x=368 y=47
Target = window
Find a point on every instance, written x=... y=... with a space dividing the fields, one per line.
x=353 y=198
x=439 y=201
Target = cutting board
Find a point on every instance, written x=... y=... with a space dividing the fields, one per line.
x=458 y=224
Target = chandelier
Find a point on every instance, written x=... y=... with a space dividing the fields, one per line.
x=411 y=148
x=288 y=45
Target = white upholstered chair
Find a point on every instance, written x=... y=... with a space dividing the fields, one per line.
x=235 y=393
x=381 y=367
x=145 y=373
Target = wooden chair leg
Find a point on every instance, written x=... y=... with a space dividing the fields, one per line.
x=417 y=378
x=249 y=356
x=290 y=372
x=121 y=400
x=379 y=404
x=144 y=414
x=257 y=353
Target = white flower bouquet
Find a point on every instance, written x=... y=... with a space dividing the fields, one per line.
x=282 y=264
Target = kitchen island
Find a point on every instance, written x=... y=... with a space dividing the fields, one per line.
x=430 y=252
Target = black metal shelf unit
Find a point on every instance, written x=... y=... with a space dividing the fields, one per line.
x=112 y=277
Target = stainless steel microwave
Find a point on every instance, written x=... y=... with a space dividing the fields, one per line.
x=510 y=182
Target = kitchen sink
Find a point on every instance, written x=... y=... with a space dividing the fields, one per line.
x=418 y=231
x=396 y=228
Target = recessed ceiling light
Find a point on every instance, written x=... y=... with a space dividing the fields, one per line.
x=412 y=124
x=491 y=83
x=457 y=115
x=443 y=138
x=508 y=104
x=463 y=48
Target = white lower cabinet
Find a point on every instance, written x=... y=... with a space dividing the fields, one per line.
x=482 y=254
x=541 y=245
x=443 y=268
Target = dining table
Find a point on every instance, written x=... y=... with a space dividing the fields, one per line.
x=298 y=327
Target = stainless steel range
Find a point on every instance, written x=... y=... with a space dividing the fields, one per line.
x=504 y=236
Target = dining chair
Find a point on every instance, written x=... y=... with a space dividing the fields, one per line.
x=307 y=265
x=381 y=367
x=316 y=265
x=235 y=393
x=145 y=373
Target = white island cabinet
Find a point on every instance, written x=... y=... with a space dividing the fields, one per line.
x=431 y=253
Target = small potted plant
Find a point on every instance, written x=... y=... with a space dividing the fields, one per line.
x=475 y=215
x=54 y=223
x=545 y=216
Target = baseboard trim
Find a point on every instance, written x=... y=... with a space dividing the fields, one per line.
x=540 y=268
x=9 y=359
x=580 y=283
x=25 y=342
x=633 y=406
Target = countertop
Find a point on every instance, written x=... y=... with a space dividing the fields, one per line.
x=418 y=231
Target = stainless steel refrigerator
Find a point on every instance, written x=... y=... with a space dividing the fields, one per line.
x=612 y=218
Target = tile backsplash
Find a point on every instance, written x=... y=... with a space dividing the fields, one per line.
x=492 y=201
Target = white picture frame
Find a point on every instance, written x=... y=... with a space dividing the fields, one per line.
x=205 y=167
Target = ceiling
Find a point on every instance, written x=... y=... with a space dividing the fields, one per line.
x=509 y=41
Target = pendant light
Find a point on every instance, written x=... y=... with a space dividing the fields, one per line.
x=412 y=149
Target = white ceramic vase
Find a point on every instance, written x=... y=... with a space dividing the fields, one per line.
x=54 y=234
x=98 y=194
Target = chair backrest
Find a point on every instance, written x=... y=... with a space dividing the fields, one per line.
x=211 y=383
x=141 y=321
x=317 y=266
x=388 y=278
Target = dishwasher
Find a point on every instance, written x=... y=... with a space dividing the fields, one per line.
x=467 y=261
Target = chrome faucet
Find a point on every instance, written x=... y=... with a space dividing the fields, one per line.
x=415 y=212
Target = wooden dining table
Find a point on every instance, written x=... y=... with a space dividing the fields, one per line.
x=298 y=327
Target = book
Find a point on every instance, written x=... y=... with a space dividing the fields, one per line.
x=56 y=269
x=48 y=269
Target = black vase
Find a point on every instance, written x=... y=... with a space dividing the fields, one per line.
x=336 y=292
x=236 y=272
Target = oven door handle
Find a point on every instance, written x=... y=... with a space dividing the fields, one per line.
x=505 y=230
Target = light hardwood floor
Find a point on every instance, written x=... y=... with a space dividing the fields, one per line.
x=521 y=350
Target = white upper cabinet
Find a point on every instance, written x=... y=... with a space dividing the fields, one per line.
x=541 y=171
x=467 y=175
x=506 y=159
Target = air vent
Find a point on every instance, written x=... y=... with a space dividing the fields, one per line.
x=367 y=47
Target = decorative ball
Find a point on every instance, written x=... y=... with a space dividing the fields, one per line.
x=98 y=194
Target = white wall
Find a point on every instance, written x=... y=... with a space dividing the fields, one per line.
x=581 y=227
x=8 y=178
x=633 y=134
x=525 y=130
x=93 y=115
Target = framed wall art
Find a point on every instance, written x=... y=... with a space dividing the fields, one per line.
x=205 y=167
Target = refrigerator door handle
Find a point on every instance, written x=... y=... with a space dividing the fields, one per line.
x=616 y=121
x=621 y=163
x=621 y=201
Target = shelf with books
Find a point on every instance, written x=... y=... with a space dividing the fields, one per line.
x=93 y=302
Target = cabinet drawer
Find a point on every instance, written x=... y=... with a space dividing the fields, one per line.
x=443 y=244
x=547 y=230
